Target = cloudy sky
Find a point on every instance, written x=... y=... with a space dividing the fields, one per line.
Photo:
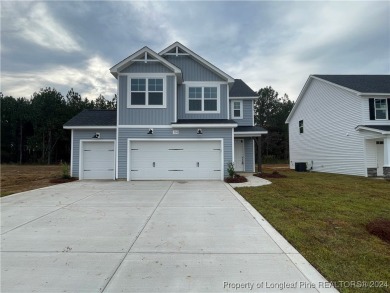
x=72 y=44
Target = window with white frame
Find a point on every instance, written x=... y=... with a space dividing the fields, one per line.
x=381 y=109
x=236 y=110
x=146 y=92
x=202 y=99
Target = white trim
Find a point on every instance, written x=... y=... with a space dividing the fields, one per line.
x=89 y=127
x=249 y=133
x=146 y=77
x=202 y=85
x=144 y=126
x=200 y=59
x=117 y=132
x=71 y=153
x=228 y=101
x=127 y=62
x=175 y=101
x=243 y=98
x=81 y=156
x=221 y=140
x=241 y=109
x=373 y=94
x=367 y=128
x=204 y=125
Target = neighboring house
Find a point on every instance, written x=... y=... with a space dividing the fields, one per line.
x=341 y=124
x=178 y=117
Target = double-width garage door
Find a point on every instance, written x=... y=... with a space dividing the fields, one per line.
x=172 y=160
x=98 y=161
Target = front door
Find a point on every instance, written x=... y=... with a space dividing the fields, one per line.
x=380 y=150
x=239 y=158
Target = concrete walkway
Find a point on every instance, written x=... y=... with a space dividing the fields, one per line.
x=104 y=236
x=253 y=181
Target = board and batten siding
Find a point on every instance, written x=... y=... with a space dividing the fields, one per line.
x=247 y=113
x=330 y=115
x=249 y=155
x=223 y=104
x=146 y=116
x=79 y=134
x=166 y=133
x=142 y=67
x=193 y=70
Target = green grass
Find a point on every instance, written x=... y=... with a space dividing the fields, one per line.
x=324 y=216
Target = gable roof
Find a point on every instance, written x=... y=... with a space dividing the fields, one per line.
x=365 y=84
x=359 y=84
x=99 y=118
x=144 y=52
x=240 y=89
x=383 y=129
x=198 y=58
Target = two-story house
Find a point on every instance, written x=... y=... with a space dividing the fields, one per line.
x=178 y=117
x=341 y=124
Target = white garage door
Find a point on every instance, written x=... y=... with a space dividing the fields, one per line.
x=173 y=160
x=98 y=160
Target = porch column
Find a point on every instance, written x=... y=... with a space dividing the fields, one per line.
x=386 y=163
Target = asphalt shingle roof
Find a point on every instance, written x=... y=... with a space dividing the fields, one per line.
x=205 y=121
x=249 y=129
x=379 y=127
x=93 y=118
x=240 y=89
x=361 y=83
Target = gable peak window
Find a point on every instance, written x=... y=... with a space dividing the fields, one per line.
x=202 y=99
x=236 y=110
x=146 y=93
x=300 y=126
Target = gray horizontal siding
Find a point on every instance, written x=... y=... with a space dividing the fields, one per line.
x=142 y=67
x=146 y=116
x=78 y=135
x=125 y=133
x=249 y=155
x=181 y=105
x=247 y=117
x=193 y=70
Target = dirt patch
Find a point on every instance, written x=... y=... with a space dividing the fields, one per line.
x=236 y=179
x=18 y=178
x=62 y=180
x=380 y=228
x=274 y=174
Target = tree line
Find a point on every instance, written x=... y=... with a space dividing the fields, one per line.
x=32 y=129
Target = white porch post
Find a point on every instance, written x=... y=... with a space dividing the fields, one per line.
x=386 y=163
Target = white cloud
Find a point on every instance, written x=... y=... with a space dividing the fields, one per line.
x=32 y=22
x=90 y=79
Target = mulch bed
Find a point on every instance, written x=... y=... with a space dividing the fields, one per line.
x=62 y=180
x=236 y=179
x=380 y=228
x=274 y=174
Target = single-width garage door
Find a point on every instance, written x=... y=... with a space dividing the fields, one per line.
x=98 y=160
x=172 y=160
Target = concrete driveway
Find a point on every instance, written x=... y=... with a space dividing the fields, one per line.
x=104 y=236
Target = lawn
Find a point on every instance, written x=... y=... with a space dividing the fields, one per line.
x=18 y=178
x=324 y=217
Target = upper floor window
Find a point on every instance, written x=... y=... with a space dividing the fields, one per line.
x=300 y=126
x=146 y=93
x=202 y=99
x=380 y=109
x=236 y=110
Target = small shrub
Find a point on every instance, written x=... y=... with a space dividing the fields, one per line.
x=380 y=228
x=230 y=170
x=65 y=171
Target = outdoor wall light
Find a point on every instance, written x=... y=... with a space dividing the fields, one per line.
x=97 y=135
x=199 y=131
x=150 y=131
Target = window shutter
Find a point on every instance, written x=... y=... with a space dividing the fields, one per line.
x=388 y=109
x=372 y=108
